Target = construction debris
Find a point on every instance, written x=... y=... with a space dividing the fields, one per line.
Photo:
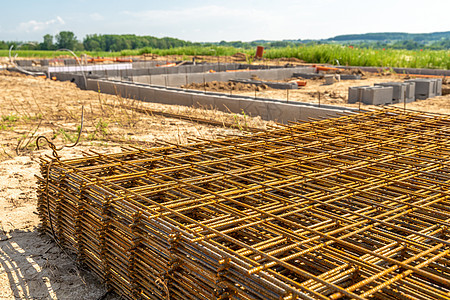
x=352 y=207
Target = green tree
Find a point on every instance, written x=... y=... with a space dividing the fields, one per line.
x=47 y=44
x=66 y=40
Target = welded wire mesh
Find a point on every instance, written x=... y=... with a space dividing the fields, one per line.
x=350 y=207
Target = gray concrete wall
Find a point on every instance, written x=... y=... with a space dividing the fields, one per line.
x=141 y=69
x=437 y=72
x=267 y=109
x=176 y=80
x=79 y=80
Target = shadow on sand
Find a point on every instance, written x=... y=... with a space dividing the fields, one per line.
x=37 y=269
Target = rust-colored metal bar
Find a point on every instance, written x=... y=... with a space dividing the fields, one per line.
x=352 y=207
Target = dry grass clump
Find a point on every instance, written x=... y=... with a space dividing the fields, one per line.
x=31 y=106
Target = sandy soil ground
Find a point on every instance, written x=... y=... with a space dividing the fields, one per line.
x=31 y=265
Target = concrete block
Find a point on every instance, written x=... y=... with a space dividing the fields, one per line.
x=213 y=77
x=198 y=69
x=425 y=88
x=305 y=69
x=402 y=91
x=329 y=79
x=171 y=70
x=378 y=95
x=157 y=80
x=244 y=74
x=284 y=73
x=410 y=91
x=268 y=74
x=142 y=79
x=355 y=93
x=438 y=90
x=399 y=90
x=226 y=76
x=196 y=78
x=176 y=80
x=157 y=71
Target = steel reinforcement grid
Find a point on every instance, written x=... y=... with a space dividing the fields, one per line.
x=354 y=207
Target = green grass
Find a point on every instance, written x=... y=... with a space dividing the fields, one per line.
x=434 y=59
x=366 y=57
x=53 y=54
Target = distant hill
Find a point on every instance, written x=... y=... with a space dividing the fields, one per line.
x=394 y=40
x=392 y=36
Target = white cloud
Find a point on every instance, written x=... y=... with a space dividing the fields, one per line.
x=37 y=26
x=209 y=22
x=96 y=17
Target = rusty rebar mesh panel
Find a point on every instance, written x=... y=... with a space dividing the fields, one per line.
x=351 y=207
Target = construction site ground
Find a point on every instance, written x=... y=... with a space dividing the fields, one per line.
x=334 y=94
x=31 y=265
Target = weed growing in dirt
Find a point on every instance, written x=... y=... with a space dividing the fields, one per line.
x=67 y=136
x=8 y=122
x=100 y=129
x=10 y=118
x=238 y=123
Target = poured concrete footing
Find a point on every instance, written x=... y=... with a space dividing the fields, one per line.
x=268 y=109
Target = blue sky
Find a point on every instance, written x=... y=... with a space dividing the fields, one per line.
x=231 y=20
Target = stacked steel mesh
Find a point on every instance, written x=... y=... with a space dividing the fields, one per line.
x=351 y=207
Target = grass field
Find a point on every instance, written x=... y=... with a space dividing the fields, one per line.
x=331 y=54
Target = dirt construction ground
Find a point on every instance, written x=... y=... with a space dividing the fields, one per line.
x=334 y=94
x=31 y=265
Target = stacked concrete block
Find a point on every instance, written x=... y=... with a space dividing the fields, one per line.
x=438 y=91
x=355 y=93
x=329 y=79
x=427 y=88
x=402 y=91
x=377 y=95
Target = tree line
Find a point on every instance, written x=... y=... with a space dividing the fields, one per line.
x=116 y=42
x=98 y=42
